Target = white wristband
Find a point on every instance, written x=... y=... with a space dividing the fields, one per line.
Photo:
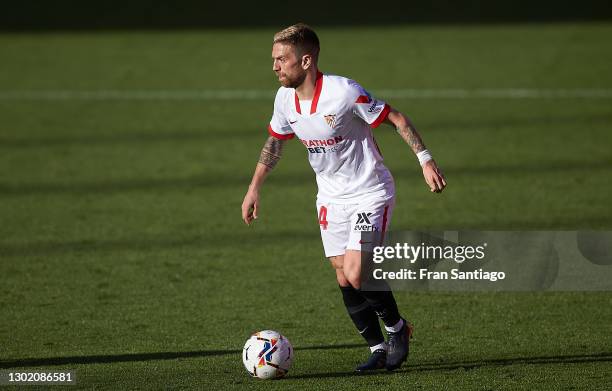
x=424 y=156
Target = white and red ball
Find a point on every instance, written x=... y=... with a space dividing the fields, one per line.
x=267 y=355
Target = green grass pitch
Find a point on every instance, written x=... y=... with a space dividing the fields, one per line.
x=124 y=258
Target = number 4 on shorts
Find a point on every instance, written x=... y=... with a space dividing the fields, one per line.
x=323 y=217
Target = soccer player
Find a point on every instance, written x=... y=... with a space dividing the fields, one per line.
x=333 y=118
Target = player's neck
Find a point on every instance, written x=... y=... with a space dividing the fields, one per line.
x=306 y=90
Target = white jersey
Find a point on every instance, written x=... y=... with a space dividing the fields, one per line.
x=335 y=127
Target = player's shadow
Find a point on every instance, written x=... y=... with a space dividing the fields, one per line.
x=417 y=367
x=114 y=358
x=469 y=365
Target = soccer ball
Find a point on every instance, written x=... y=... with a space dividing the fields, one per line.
x=267 y=355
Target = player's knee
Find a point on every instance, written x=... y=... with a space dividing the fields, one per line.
x=342 y=280
x=352 y=261
x=352 y=268
x=354 y=280
x=337 y=262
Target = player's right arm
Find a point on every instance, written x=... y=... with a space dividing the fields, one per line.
x=270 y=155
x=280 y=131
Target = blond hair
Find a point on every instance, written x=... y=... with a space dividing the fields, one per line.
x=302 y=37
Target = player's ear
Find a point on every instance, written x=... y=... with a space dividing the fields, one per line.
x=306 y=61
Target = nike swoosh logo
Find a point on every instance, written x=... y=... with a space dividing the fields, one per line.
x=291 y=123
x=363 y=331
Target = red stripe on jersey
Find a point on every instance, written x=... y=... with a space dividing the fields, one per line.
x=317 y=93
x=384 y=225
x=278 y=135
x=383 y=115
x=297 y=104
x=363 y=99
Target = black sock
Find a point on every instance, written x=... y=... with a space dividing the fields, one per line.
x=363 y=316
x=384 y=305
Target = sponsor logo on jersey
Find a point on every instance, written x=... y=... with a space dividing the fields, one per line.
x=373 y=109
x=318 y=146
x=322 y=143
x=331 y=120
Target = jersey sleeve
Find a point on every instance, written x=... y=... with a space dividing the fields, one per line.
x=373 y=111
x=279 y=125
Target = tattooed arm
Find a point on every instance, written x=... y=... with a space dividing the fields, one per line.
x=270 y=155
x=271 y=152
x=408 y=132
x=432 y=174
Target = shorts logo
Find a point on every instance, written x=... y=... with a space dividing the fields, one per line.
x=364 y=224
x=331 y=120
x=364 y=218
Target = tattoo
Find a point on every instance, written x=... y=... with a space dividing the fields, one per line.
x=412 y=138
x=271 y=152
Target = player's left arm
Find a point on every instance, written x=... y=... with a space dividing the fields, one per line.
x=431 y=172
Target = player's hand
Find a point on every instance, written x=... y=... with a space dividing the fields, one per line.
x=249 y=206
x=434 y=177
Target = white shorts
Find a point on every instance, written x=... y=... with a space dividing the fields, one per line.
x=342 y=225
